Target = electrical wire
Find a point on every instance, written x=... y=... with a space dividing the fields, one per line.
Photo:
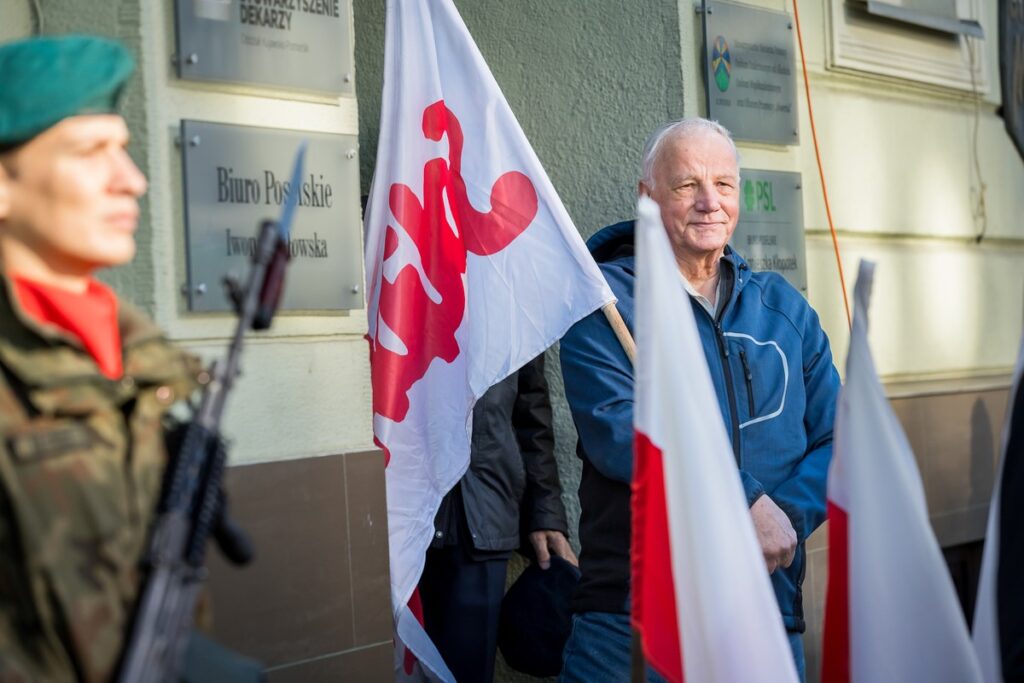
x=38 y=10
x=978 y=211
x=821 y=171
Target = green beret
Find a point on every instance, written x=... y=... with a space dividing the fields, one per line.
x=46 y=79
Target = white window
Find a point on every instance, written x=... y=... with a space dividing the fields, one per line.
x=937 y=42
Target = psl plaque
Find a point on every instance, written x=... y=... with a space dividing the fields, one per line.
x=301 y=45
x=770 y=233
x=237 y=176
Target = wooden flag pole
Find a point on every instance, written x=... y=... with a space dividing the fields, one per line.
x=639 y=666
x=621 y=331
x=638 y=670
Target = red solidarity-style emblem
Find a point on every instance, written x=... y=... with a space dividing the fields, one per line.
x=427 y=328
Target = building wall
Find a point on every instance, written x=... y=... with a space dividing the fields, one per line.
x=587 y=81
x=900 y=161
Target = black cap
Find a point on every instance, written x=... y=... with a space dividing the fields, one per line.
x=536 y=619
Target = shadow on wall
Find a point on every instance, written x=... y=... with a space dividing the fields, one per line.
x=983 y=455
x=964 y=560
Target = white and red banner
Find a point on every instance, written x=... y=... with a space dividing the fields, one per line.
x=997 y=635
x=702 y=599
x=891 y=611
x=473 y=268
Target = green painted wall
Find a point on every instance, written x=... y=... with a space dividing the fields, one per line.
x=587 y=81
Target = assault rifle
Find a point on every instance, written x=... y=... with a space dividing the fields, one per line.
x=192 y=505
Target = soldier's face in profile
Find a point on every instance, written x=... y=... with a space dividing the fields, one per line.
x=70 y=196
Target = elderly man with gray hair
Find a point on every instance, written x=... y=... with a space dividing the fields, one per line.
x=773 y=374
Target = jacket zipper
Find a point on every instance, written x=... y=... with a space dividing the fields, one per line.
x=723 y=350
x=750 y=382
x=723 y=346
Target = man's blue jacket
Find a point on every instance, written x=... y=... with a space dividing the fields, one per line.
x=772 y=370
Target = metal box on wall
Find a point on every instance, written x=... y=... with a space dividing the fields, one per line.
x=301 y=45
x=237 y=176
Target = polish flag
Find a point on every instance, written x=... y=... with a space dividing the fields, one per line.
x=999 y=609
x=473 y=268
x=702 y=599
x=891 y=612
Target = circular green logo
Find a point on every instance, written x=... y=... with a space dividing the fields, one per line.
x=721 y=63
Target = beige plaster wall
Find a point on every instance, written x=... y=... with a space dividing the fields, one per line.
x=901 y=160
x=305 y=389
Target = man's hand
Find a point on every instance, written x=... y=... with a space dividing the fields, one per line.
x=546 y=542
x=774 y=532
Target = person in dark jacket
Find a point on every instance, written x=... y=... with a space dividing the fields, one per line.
x=773 y=375
x=511 y=489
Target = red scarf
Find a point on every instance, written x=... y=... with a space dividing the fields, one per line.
x=90 y=316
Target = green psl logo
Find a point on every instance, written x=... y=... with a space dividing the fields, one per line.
x=721 y=63
x=759 y=195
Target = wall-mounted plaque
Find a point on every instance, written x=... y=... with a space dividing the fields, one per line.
x=291 y=44
x=749 y=79
x=770 y=234
x=237 y=176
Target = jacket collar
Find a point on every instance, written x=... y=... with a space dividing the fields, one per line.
x=24 y=339
x=615 y=243
x=50 y=362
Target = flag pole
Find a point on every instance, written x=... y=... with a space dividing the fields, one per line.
x=639 y=666
x=621 y=331
x=638 y=670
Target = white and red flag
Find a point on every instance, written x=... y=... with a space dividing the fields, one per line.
x=999 y=610
x=891 y=612
x=473 y=268
x=702 y=599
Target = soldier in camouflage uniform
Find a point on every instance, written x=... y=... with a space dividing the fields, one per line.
x=85 y=379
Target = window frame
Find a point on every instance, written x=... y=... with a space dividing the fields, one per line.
x=865 y=43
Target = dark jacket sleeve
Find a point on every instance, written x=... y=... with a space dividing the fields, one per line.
x=599 y=388
x=542 y=503
x=1010 y=542
x=802 y=495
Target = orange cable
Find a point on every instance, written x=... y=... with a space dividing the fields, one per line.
x=821 y=171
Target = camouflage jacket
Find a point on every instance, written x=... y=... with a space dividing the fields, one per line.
x=81 y=462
